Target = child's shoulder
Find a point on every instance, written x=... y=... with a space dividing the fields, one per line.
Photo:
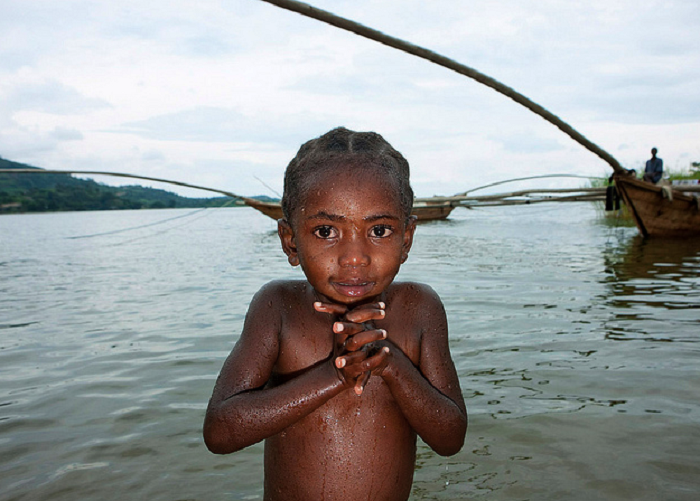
x=275 y=299
x=282 y=290
x=414 y=288
x=414 y=294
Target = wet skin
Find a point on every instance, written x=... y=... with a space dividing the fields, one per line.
x=339 y=373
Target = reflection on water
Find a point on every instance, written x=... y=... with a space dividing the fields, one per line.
x=667 y=259
x=109 y=347
x=653 y=281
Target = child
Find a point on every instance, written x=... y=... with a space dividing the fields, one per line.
x=338 y=373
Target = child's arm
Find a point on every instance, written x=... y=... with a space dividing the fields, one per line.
x=429 y=395
x=242 y=411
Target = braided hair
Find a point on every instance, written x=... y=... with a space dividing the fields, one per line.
x=343 y=148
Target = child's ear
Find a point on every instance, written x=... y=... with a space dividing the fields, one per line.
x=408 y=237
x=289 y=246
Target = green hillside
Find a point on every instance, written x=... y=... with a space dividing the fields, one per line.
x=62 y=192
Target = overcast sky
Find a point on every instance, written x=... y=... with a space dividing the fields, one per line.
x=220 y=93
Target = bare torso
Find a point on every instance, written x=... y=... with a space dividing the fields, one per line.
x=352 y=447
x=281 y=384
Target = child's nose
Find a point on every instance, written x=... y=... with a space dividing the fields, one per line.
x=354 y=252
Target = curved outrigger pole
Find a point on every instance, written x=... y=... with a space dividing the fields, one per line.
x=132 y=176
x=433 y=57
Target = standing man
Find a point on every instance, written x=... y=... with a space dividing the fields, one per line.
x=654 y=168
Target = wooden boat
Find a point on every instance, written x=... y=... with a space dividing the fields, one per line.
x=270 y=209
x=661 y=211
x=425 y=209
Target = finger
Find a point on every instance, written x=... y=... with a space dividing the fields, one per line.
x=360 y=339
x=347 y=360
x=344 y=330
x=370 y=306
x=379 y=305
x=366 y=314
x=347 y=328
x=377 y=360
x=331 y=308
x=361 y=383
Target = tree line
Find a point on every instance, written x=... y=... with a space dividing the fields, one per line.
x=62 y=192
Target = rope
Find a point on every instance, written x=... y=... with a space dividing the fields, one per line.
x=157 y=233
x=93 y=235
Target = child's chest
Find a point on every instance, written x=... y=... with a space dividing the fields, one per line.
x=304 y=342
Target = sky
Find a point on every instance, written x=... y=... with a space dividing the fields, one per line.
x=223 y=93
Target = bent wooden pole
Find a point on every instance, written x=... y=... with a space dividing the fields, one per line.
x=434 y=57
x=121 y=174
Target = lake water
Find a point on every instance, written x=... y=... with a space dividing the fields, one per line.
x=576 y=345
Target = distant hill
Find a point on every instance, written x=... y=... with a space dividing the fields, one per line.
x=62 y=192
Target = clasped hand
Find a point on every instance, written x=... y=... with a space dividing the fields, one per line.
x=357 y=351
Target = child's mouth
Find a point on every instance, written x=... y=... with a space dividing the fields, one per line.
x=352 y=288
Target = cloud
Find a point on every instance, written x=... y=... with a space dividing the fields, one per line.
x=205 y=46
x=50 y=96
x=639 y=105
x=66 y=134
x=153 y=156
x=28 y=145
x=208 y=124
x=213 y=124
x=526 y=143
x=32 y=144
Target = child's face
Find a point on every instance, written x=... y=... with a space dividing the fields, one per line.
x=349 y=235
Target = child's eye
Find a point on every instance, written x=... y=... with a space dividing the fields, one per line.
x=381 y=231
x=325 y=232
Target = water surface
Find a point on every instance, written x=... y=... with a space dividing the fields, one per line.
x=576 y=345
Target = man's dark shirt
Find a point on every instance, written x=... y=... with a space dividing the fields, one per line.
x=655 y=166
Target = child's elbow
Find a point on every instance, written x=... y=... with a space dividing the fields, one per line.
x=217 y=440
x=218 y=446
x=453 y=440
x=215 y=446
x=212 y=441
x=449 y=449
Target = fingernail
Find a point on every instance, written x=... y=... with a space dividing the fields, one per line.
x=385 y=349
x=383 y=313
x=340 y=362
x=317 y=304
x=338 y=327
x=383 y=333
x=382 y=305
x=358 y=390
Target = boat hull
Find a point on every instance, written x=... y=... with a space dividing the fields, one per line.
x=655 y=213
